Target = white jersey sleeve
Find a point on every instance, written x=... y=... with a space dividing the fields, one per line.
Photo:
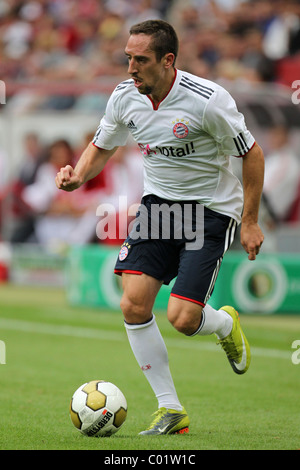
x=226 y=125
x=111 y=132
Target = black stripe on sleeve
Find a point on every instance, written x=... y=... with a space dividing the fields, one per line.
x=194 y=90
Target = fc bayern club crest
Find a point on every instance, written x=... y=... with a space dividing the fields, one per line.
x=180 y=130
x=123 y=253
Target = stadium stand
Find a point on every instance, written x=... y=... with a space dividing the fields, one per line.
x=60 y=60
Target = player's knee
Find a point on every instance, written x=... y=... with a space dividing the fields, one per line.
x=133 y=311
x=184 y=317
x=184 y=323
x=179 y=324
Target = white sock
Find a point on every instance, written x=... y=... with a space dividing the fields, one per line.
x=151 y=354
x=214 y=321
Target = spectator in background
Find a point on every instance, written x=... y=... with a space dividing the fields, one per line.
x=23 y=216
x=41 y=197
x=3 y=182
x=63 y=219
x=97 y=185
x=60 y=40
x=32 y=159
x=282 y=176
x=294 y=38
x=3 y=170
x=124 y=172
x=118 y=187
x=279 y=37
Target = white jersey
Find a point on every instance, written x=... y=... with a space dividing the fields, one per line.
x=186 y=142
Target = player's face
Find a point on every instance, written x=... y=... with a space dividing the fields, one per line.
x=147 y=72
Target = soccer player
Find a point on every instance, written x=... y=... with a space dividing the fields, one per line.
x=187 y=128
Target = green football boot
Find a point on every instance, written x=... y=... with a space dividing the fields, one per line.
x=168 y=421
x=236 y=345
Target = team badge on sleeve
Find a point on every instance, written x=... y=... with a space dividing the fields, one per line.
x=124 y=251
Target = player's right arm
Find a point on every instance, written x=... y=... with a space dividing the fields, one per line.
x=90 y=164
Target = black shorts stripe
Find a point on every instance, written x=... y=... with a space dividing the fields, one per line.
x=213 y=280
x=230 y=234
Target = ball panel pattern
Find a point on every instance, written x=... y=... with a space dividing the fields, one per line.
x=98 y=408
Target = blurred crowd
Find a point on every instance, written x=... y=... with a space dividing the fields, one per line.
x=72 y=40
x=68 y=41
x=37 y=212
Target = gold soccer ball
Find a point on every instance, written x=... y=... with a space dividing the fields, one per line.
x=98 y=408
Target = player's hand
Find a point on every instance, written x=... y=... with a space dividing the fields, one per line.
x=251 y=238
x=67 y=179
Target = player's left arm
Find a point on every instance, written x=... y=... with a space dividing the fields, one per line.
x=253 y=179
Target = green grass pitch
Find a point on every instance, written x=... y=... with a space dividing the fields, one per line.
x=52 y=348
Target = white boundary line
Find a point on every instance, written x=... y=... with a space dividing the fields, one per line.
x=108 y=335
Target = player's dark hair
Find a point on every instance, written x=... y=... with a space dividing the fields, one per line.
x=164 y=37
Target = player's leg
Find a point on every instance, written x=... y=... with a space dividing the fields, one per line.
x=139 y=294
x=191 y=318
x=147 y=344
x=188 y=310
x=151 y=260
x=224 y=323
